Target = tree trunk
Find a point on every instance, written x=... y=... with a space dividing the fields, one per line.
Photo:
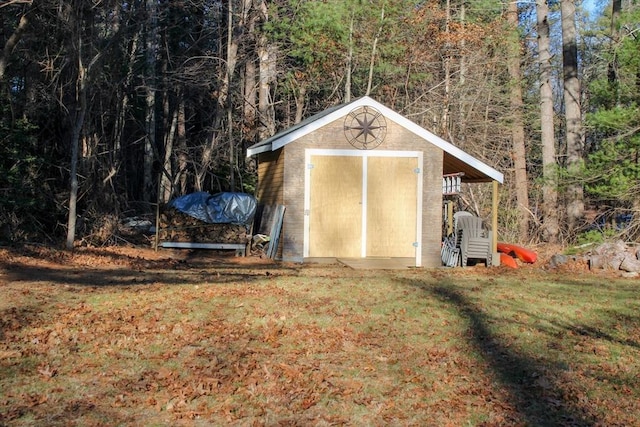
x=444 y=120
x=349 y=62
x=573 y=115
x=616 y=8
x=550 y=227
x=180 y=179
x=300 y=99
x=121 y=115
x=517 y=124
x=462 y=102
x=267 y=67
x=150 y=88
x=81 y=110
x=166 y=188
x=463 y=56
x=374 y=51
x=232 y=57
x=224 y=100
x=11 y=44
x=250 y=100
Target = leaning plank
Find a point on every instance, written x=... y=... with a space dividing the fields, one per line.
x=240 y=248
x=275 y=232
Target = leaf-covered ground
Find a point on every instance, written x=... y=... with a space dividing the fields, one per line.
x=136 y=337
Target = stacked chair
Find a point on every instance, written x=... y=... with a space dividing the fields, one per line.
x=449 y=252
x=471 y=239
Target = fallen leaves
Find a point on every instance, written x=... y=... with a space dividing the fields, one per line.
x=10 y=354
x=34 y=399
x=296 y=346
x=47 y=372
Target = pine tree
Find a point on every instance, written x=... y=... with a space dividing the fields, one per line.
x=613 y=170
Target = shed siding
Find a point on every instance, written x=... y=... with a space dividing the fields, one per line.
x=271 y=178
x=432 y=205
x=270 y=189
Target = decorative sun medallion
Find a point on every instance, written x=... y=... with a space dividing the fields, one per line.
x=365 y=128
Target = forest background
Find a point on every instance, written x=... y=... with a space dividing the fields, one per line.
x=110 y=107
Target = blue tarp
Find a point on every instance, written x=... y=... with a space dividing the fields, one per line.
x=221 y=208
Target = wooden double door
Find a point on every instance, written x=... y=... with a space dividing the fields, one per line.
x=363 y=204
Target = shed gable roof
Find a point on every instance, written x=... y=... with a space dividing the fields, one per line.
x=455 y=159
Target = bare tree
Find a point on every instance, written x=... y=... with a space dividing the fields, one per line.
x=517 y=124
x=374 y=49
x=446 y=108
x=13 y=40
x=550 y=226
x=349 y=61
x=573 y=114
x=78 y=123
x=150 y=89
x=83 y=72
x=250 y=94
x=267 y=60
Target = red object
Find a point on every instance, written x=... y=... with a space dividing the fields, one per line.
x=523 y=254
x=508 y=260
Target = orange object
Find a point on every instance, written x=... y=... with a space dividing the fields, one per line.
x=523 y=254
x=508 y=260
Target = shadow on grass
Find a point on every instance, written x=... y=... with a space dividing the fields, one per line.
x=126 y=277
x=598 y=333
x=538 y=405
x=162 y=257
x=181 y=267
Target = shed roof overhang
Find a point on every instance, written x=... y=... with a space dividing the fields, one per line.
x=455 y=160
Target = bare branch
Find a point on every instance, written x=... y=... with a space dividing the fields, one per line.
x=12 y=2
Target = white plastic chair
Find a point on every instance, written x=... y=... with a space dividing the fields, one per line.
x=472 y=239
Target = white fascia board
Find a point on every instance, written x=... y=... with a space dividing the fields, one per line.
x=259 y=149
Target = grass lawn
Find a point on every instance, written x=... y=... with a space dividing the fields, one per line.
x=113 y=339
